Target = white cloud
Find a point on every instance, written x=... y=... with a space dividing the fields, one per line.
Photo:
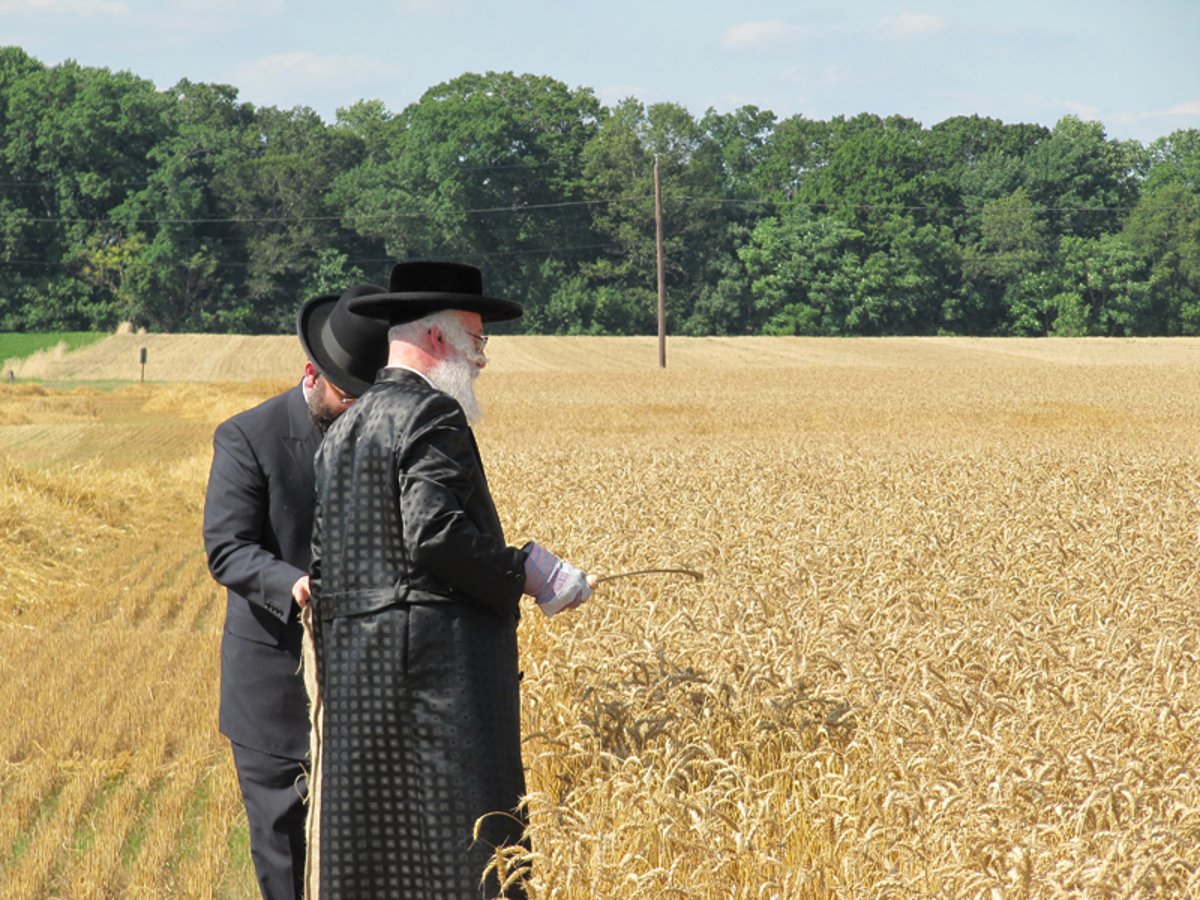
x=1085 y=111
x=64 y=7
x=205 y=25
x=732 y=101
x=762 y=33
x=612 y=94
x=429 y=7
x=910 y=26
x=817 y=78
x=291 y=69
x=1189 y=109
x=241 y=8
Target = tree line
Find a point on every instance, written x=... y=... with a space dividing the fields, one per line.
x=188 y=210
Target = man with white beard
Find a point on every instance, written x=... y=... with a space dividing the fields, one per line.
x=414 y=604
x=456 y=374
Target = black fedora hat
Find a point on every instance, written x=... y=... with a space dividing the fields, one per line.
x=347 y=349
x=422 y=287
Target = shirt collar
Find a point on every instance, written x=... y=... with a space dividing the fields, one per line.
x=422 y=375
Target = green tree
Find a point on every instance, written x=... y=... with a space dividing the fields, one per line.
x=708 y=178
x=796 y=149
x=876 y=171
x=75 y=141
x=724 y=203
x=194 y=256
x=1164 y=229
x=368 y=195
x=619 y=167
x=115 y=265
x=276 y=190
x=1012 y=245
x=813 y=274
x=618 y=173
x=1083 y=181
x=804 y=270
x=1111 y=281
x=732 y=148
x=486 y=169
x=973 y=160
x=1174 y=159
x=331 y=273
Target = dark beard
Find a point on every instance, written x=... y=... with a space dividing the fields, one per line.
x=322 y=416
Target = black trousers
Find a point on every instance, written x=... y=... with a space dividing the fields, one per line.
x=273 y=791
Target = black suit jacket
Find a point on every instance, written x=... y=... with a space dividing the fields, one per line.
x=404 y=509
x=258 y=516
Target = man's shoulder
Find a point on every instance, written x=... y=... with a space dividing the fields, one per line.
x=269 y=408
x=269 y=416
x=395 y=404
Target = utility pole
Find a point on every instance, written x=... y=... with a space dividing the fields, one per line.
x=662 y=284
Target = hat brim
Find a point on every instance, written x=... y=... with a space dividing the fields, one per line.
x=408 y=306
x=310 y=323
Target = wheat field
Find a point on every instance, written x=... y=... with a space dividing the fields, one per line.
x=944 y=646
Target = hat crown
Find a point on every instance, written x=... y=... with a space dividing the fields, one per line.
x=347 y=349
x=355 y=343
x=423 y=276
x=418 y=288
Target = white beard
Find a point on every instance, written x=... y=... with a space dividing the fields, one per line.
x=456 y=377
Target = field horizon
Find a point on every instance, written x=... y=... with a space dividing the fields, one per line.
x=244 y=358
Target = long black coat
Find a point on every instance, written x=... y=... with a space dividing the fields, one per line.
x=415 y=604
x=257 y=533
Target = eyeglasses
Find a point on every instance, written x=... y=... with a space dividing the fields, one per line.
x=479 y=340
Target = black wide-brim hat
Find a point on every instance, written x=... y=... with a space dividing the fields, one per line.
x=347 y=349
x=419 y=288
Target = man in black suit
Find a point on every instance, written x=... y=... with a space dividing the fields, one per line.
x=258 y=516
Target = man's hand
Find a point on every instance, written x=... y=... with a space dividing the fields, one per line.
x=300 y=591
x=552 y=582
x=579 y=601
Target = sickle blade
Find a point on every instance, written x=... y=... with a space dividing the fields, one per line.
x=688 y=572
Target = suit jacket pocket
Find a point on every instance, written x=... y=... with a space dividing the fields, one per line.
x=247 y=621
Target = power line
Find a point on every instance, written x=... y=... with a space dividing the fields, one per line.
x=252 y=220
x=557 y=250
x=574 y=204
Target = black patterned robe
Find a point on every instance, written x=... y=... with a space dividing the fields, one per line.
x=415 y=596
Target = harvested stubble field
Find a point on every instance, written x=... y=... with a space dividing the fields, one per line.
x=945 y=644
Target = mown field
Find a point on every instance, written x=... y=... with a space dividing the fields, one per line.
x=945 y=644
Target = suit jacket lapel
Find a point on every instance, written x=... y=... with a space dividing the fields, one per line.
x=304 y=437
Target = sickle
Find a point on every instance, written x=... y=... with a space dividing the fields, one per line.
x=688 y=572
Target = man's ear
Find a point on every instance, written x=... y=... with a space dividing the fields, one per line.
x=439 y=347
x=310 y=375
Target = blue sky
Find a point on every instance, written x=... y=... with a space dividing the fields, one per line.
x=1133 y=66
